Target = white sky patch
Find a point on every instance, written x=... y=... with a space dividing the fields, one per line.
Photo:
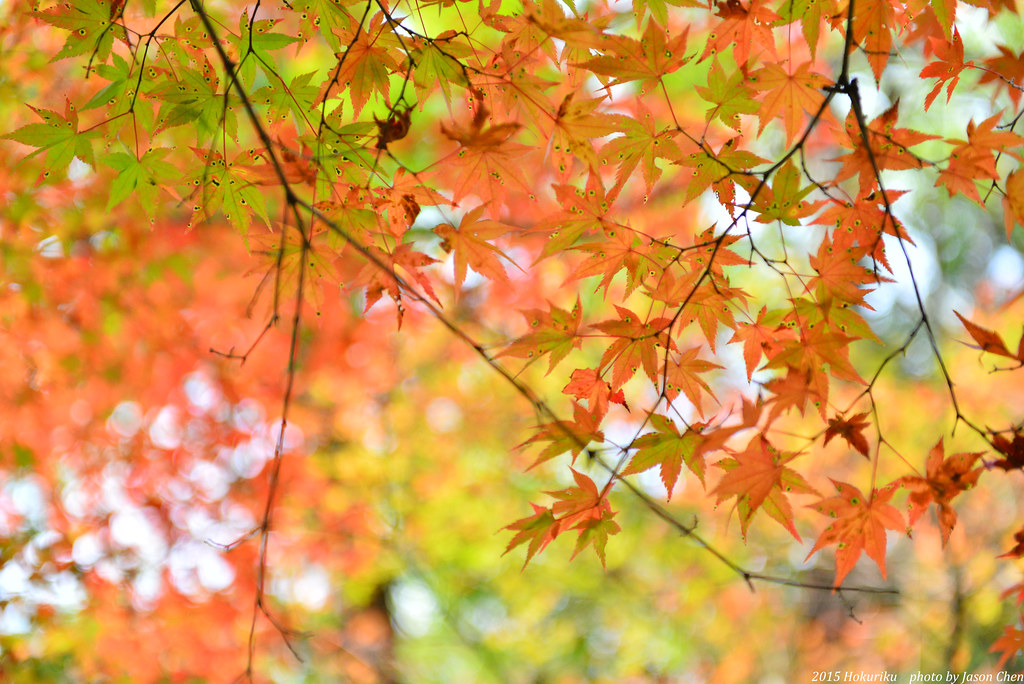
x=414 y=607
x=125 y=420
x=211 y=480
x=1006 y=268
x=925 y=265
x=312 y=588
x=443 y=415
x=130 y=528
x=78 y=170
x=202 y=395
x=50 y=248
x=87 y=550
x=248 y=458
x=165 y=429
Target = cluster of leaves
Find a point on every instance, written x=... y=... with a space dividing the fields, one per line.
x=639 y=156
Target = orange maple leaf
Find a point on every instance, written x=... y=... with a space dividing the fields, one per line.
x=747 y=27
x=1009 y=644
x=588 y=384
x=668 y=448
x=946 y=68
x=539 y=529
x=788 y=95
x=470 y=245
x=553 y=332
x=991 y=342
x=758 y=478
x=859 y=526
x=890 y=148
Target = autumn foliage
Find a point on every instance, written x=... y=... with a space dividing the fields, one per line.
x=263 y=261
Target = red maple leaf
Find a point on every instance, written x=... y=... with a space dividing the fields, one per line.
x=1011 y=449
x=1017 y=552
x=944 y=479
x=851 y=429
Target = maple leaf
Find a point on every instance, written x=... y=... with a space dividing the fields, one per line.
x=141 y=176
x=1013 y=202
x=58 y=136
x=890 y=147
x=553 y=332
x=365 y=67
x=759 y=478
x=583 y=210
x=378 y=280
x=974 y=160
x=764 y=336
x=578 y=503
x=788 y=94
x=716 y=171
x=1009 y=644
x=626 y=59
x=841 y=274
x=622 y=250
x=227 y=188
x=851 y=429
x=795 y=389
x=809 y=15
x=991 y=342
x=859 y=526
x=1005 y=69
x=784 y=200
x=944 y=479
x=747 y=27
x=1017 y=552
x=470 y=245
x=539 y=529
x=587 y=384
x=562 y=436
x=485 y=152
x=669 y=449
x=862 y=222
x=946 y=68
x=635 y=345
x=576 y=123
x=681 y=376
x=640 y=143
x=1011 y=449
x=92 y=24
x=730 y=96
x=872 y=22
x=595 y=531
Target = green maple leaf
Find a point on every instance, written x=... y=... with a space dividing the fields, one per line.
x=731 y=96
x=58 y=136
x=596 y=531
x=92 y=27
x=140 y=176
x=224 y=188
x=667 y=448
x=254 y=42
x=297 y=98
